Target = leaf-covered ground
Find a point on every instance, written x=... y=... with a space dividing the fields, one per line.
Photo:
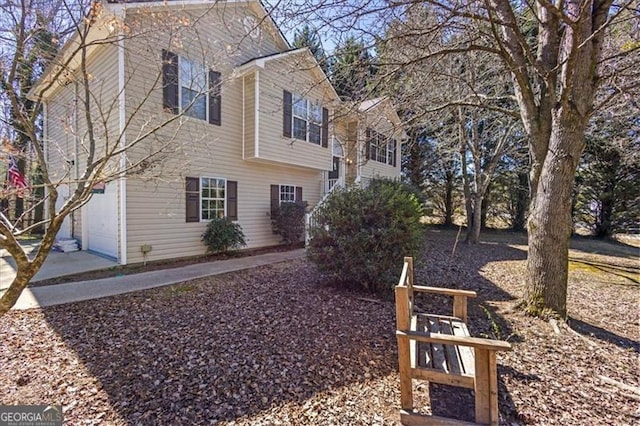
x=275 y=345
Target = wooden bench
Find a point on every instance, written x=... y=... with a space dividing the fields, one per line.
x=439 y=349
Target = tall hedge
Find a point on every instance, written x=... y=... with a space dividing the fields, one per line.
x=362 y=235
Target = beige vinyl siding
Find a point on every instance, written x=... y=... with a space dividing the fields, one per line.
x=289 y=74
x=249 y=116
x=157 y=211
x=190 y=147
x=67 y=132
x=377 y=120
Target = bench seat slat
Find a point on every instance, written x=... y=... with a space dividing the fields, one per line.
x=451 y=352
x=467 y=356
x=437 y=350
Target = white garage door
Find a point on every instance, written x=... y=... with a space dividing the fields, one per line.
x=102 y=218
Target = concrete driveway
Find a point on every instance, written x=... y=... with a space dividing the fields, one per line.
x=56 y=265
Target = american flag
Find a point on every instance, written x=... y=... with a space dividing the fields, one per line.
x=16 y=178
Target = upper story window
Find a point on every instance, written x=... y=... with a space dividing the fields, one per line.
x=193 y=88
x=305 y=120
x=189 y=87
x=380 y=148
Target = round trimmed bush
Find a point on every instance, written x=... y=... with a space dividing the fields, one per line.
x=223 y=235
x=362 y=235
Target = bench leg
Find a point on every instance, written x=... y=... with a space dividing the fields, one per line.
x=404 y=367
x=486 y=387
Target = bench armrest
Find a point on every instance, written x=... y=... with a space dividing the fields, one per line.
x=446 y=339
x=445 y=291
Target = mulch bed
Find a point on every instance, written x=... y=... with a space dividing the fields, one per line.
x=276 y=345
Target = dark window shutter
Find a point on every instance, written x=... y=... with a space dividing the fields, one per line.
x=287 y=117
x=275 y=199
x=232 y=199
x=298 y=194
x=170 y=81
x=192 y=189
x=325 y=127
x=395 y=148
x=368 y=144
x=215 y=98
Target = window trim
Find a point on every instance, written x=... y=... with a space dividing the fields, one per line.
x=383 y=144
x=206 y=93
x=295 y=97
x=200 y=198
x=280 y=187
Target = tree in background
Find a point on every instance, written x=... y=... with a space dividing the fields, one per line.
x=352 y=70
x=556 y=73
x=37 y=28
x=307 y=37
x=607 y=198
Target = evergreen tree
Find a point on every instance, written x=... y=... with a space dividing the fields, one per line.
x=352 y=70
x=308 y=37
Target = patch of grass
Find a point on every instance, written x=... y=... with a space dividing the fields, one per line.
x=495 y=327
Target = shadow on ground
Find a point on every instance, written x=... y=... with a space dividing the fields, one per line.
x=228 y=346
x=602 y=334
x=445 y=263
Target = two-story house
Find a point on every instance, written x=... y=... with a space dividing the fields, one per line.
x=239 y=119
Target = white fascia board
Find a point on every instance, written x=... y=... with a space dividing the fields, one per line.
x=260 y=63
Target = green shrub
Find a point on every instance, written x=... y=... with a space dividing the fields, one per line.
x=288 y=221
x=362 y=235
x=222 y=235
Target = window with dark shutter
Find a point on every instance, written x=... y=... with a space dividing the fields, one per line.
x=275 y=199
x=298 y=194
x=325 y=127
x=287 y=118
x=170 y=81
x=192 y=189
x=232 y=199
x=215 y=98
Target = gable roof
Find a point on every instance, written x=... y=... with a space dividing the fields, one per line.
x=262 y=61
x=386 y=109
x=67 y=59
x=258 y=7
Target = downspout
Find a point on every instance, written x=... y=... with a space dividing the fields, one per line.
x=45 y=149
x=257 y=113
x=123 y=156
x=244 y=113
x=74 y=163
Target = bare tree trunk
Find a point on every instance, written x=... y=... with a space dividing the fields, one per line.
x=448 y=200
x=521 y=195
x=468 y=202
x=550 y=220
x=473 y=234
x=26 y=269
